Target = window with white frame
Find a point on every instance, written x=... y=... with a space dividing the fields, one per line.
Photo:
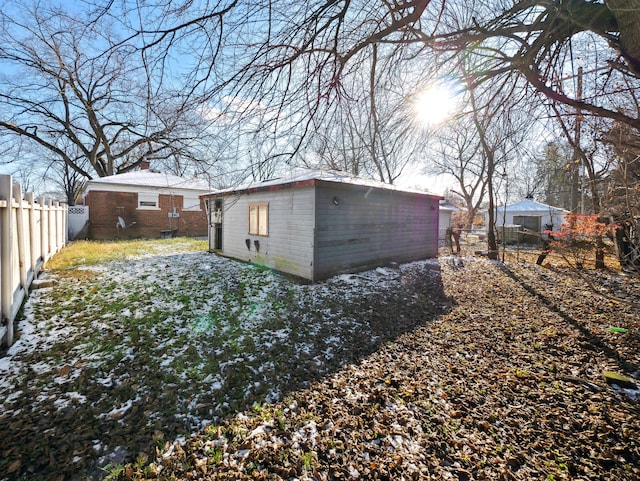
x=148 y=201
x=259 y=219
x=191 y=202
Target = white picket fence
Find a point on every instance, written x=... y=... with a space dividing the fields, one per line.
x=30 y=233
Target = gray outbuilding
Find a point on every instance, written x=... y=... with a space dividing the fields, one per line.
x=315 y=224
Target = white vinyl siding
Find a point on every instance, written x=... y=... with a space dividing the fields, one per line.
x=317 y=231
x=289 y=245
x=371 y=227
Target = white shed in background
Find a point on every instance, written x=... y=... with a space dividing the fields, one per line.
x=529 y=215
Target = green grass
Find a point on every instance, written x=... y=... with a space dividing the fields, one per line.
x=188 y=344
x=84 y=252
x=112 y=471
x=145 y=332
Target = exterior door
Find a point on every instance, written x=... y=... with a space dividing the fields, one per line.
x=217 y=225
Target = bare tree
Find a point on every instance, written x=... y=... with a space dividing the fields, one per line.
x=596 y=167
x=552 y=171
x=297 y=58
x=371 y=131
x=459 y=155
x=324 y=42
x=71 y=183
x=301 y=61
x=80 y=99
x=540 y=40
x=623 y=195
x=495 y=130
x=481 y=144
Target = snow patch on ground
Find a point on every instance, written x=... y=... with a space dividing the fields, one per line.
x=201 y=324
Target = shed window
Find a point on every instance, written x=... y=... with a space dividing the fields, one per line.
x=148 y=201
x=259 y=219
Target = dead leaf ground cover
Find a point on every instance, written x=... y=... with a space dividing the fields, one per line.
x=433 y=371
x=505 y=385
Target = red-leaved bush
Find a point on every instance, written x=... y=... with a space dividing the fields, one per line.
x=578 y=236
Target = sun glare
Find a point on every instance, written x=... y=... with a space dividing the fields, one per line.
x=434 y=105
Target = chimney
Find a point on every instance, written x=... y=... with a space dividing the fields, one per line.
x=144 y=165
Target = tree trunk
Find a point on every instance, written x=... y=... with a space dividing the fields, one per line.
x=627 y=16
x=492 y=245
x=600 y=253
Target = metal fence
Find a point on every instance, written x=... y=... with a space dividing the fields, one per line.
x=30 y=233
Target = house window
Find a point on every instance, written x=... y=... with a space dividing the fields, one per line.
x=259 y=219
x=191 y=202
x=148 y=201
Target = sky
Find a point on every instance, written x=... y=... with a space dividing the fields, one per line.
x=435 y=184
x=413 y=178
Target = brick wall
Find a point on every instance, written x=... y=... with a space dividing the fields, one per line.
x=105 y=207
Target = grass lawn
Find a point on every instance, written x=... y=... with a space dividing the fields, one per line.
x=142 y=342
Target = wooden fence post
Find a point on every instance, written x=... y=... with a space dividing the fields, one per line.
x=52 y=229
x=33 y=257
x=6 y=267
x=44 y=231
x=22 y=265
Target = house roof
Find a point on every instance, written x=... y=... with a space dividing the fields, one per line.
x=306 y=177
x=149 y=178
x=529 y=205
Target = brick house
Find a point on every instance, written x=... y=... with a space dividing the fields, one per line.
x=145 y=203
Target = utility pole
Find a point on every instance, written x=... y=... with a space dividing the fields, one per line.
x=577 y=159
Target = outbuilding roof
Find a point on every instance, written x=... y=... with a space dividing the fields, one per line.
x=530 y=205
x=305 y=177
x=149 y=178
x=448 y=207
